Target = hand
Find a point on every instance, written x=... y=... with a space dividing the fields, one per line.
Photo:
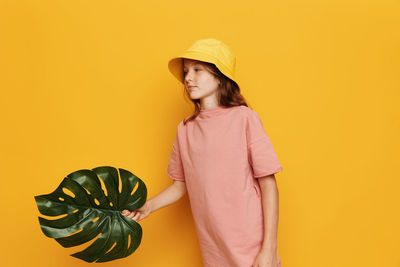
x=138 y=214
x=267 y=258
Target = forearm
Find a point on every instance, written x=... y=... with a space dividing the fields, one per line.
x=168 y=196
x=270 y=202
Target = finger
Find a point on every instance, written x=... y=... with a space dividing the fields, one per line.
x=124 y=212
x=136 y=217
x=127 y=213
x=131 y=214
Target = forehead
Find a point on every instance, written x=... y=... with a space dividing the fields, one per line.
x=189 y=62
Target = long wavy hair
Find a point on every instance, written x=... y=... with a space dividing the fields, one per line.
x=228 y=92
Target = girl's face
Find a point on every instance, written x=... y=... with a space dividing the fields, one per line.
x=199 y=82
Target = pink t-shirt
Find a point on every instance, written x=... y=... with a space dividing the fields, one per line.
x=219 y=155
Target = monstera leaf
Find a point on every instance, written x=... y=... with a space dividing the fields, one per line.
x=91 y=211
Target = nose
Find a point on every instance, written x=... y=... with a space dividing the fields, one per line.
x=188 y=76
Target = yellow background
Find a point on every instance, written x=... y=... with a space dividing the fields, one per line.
x=85 y=84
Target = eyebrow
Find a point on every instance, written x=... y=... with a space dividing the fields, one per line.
x=196 y=64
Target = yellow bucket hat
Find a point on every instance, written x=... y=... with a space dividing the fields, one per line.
x=208 y=50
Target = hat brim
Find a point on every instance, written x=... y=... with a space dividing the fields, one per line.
x=175 y=65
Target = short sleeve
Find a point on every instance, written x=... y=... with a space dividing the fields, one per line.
x=175 y=167
x=262 y=156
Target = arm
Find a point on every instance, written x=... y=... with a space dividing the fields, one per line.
x=268 y=256
x=270 y=200
x=168 y=196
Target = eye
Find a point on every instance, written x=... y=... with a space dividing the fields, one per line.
x=196 y=69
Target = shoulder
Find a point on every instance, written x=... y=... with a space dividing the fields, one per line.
x=180 y=125
x=251 y=118
x=246 y=112
x=244 y=109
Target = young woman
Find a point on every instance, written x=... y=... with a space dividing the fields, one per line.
x=223 y=158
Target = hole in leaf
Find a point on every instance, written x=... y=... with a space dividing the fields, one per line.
x=75 y=232
x=68 y=192
x=134 y=188
x=75 y=211
x=95 y=219
x=112 y=247
x=54 y=217
x=111 y=204
x=60 y=198
x=86 y=190
x=129 y=240
x=119 y=182
x=103 y=186
x=96 y=201
x=88 y=243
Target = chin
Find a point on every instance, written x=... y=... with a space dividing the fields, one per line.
x=194 y=96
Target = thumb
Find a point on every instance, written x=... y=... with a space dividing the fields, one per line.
x=141 y=210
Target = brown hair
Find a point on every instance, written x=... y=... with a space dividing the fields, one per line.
x=228 y=92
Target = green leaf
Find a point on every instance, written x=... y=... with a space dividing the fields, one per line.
x=91 y=212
